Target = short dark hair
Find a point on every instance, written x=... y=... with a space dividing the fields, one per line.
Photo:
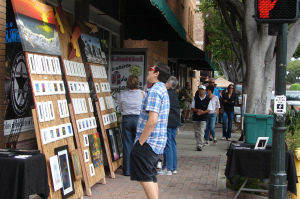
x=164 y=71
x=132 y=82
x=211 y=88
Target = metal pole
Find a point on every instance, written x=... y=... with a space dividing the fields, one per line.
x=277 y=187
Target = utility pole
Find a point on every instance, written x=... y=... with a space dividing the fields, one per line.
x=277 y=187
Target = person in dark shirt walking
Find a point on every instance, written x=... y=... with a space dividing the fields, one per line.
x=228 y=100
x=199 y=108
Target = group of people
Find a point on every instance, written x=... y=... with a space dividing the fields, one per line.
x=149 y=124
x=206 y=106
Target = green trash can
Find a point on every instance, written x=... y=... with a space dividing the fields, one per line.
x=258 y=125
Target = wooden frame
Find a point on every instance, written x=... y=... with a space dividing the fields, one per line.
x=76 y=165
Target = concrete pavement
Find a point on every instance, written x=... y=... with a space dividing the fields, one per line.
x=200 y=174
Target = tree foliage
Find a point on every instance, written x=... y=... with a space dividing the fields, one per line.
x=293 y=72
x=295 y=87
x=297 y=52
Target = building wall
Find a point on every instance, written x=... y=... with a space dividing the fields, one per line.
x=199 y=33
x=2 y=67
x=157 y=50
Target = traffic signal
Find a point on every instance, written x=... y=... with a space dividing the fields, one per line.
x=276 y=10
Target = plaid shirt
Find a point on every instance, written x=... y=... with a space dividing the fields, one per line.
x=156 y=100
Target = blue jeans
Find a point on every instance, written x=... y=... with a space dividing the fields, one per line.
x=170 y=151
x=129 y=123
x=210 y=125
x=227 y=129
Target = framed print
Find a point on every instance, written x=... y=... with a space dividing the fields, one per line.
x=53 y=65
x=95 y=149
x=45 y=136
x=37 y=88
x=92 y=170
x=118 y=135
x=86 y=140
x=55 y=173
x=71 y=87
x=69 y=129
x=58 y=133
x=65 y=171
x=112 y=144
x=43 y=65
x=63 y=130
x=58 y=70
x=52 y=134
x=76 y=165
x=46 y=111
x=97 y=88
x=91 y=105
x=66 y=109
x=32 y=64
x=102 y=104
x=261 y=143
x=38 y=64
x=60 y=108
x=79 y=126
x=86 y=155
x=43 y=87
x=40 y=110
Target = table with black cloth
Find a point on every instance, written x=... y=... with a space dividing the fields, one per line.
x=20 y=178
x=256 y=163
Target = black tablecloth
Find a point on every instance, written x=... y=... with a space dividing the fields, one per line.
x=20 y=178
x=257 y=164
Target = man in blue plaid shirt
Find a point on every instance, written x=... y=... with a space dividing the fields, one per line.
x=151 y=136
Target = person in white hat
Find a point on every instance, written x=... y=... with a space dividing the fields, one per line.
x=199 y=108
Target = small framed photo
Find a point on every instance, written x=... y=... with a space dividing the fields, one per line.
x=53 y=65
x=76 y=164
x=102 y=103
x=92 y=169
x=55 y=173
x=86 y=140
x=86 y=155
x=97 y=87
x=32 y=64
x=46 y=111
x=261 y=143
x=91 y=105
x=40 y=111
x=43 y=65
x=37 y=88
x=57 y=64
x=69 y=129
x=37 y=64
x=58 y=133
x=45 y=136
x=52 y=134
x=65 y=171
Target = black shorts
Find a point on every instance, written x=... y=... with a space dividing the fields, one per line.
x=143 y=162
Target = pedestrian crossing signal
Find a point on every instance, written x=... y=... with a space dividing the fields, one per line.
x=276 y=10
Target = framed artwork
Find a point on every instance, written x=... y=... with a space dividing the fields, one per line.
x=91 y=48
x=86 y=155
x=92 y=170
x=95 y=149
x=91 y=105
x=112 y=144
x=65 y=171
x=97 y=88
x=40 y=110
x=55 y=173
x=102 y=103
x=45 y=136
x=86 y=140
x=32 y=64
x=118 y=135
x=76 y=165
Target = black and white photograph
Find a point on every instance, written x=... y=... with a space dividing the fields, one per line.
x=91 y=105
x=102 y=104
x=86 y=155
x=261 y=143
x=92 y=169
x=86 y=140
x=55 y=173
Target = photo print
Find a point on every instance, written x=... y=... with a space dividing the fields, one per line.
x=92 y=170
x=40 y=111
x=86 y=140
x=97 y=87
x=55 y=173
x=91 y=48
x=112 y=144
x=45 y=136
x=76 y=165
x=91 y=105
x=95 y=149
x=102 y=103
x=65 y=170
x=37 y=88
x=118 y=135
x=86 y=155
x=32 y=64
x=57 y=66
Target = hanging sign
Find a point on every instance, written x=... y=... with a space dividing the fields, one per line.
x=280 y=104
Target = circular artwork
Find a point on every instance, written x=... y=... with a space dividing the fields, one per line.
x=20 y=85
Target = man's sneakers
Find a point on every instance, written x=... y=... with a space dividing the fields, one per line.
x=165 y=172
x=199 y=148
x=228 y=139
x=223 y=138
x=174 y=172
x=215 y=141
x=206 y=143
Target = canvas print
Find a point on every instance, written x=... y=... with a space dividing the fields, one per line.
x=55 y=173
x=76 y=165
x=112 y=144
x=65 y=170
x=37 y=27
x=95 y=149
x=90 y=46
x=118 y=135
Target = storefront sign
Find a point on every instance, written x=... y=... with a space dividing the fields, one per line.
x=124 y=65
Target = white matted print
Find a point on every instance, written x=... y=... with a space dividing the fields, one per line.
x=92 y=169
x=86 y=155
x=261 y=143
x=55 y=173
x=102 y=103
x=97 y=87
x=91 y=105
x=86 y=140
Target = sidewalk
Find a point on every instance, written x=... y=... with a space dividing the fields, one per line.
x=200 y=174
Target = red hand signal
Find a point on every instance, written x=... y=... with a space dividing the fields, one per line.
x=264 y=7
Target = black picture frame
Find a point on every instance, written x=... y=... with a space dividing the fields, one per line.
x=118 y=135
x=112 y=144
x=64 y=161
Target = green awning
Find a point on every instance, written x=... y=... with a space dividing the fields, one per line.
x=186 y=53
x=170 y=17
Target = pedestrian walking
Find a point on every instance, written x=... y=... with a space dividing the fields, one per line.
x=170 y=151
x=199 y=108
x=185 y=95
x=151 y=134
x=130 y=102
x=228 y=101
x=213 y=107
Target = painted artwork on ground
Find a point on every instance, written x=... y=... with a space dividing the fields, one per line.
x=37 y=27
x=90 y=47
x=95 y=149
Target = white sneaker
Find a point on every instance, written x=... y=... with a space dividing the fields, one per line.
x=223 y=138
x=206 y=143
x=228 y=139
x=159 y=165
x=174 y=172
x=164 y=172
